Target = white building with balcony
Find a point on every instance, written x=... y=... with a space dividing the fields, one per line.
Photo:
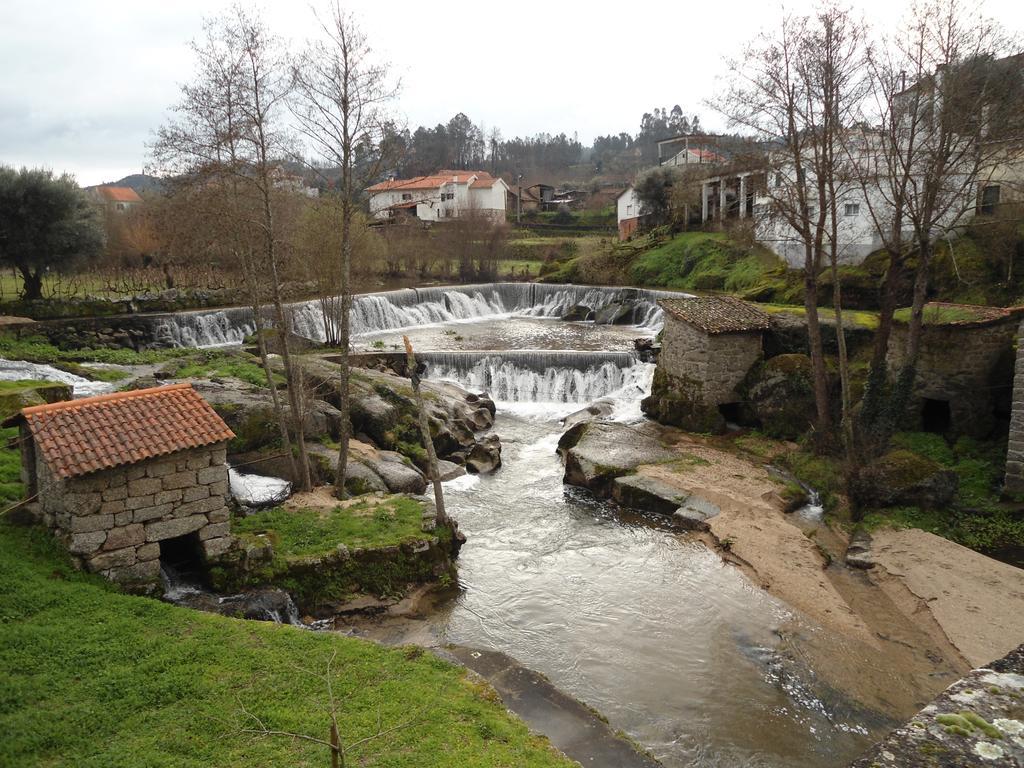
x=440 y=196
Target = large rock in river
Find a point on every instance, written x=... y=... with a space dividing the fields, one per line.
x=616 y=313
x=597 y=452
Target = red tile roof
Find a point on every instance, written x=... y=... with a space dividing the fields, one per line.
x=717 y=314
x=119 y=194
x=435 y=180
x=76 y=437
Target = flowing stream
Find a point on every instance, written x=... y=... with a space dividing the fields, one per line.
x=677 y=649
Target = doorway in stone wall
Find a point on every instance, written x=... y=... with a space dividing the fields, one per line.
x=936 y=416
x=730 y=412
x=181 y=561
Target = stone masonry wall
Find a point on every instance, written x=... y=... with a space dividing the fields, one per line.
x=956 y=364
x=113 y=521
x=1015 y=454
x=717 y=362
x=730 y=358
x=684 y=350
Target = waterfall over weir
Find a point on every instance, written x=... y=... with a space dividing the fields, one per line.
x=411 y=307
x=544 y=377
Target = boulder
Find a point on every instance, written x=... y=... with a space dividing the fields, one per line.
x=647 y=494
x=578 y=312
x=694 y=514
x=616 y=313
x=599 y=409
x=778 y=396
x=398 y=474
x=360 y=479
x=485 y=456
x=449 y=470
x=597 y=452
x=903 y=478
x=15 y=395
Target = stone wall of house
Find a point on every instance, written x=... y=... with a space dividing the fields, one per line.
x=959 y=365
x=1015 y=453
x=696 y=373
x=113 y=521
x=730 y=358
x=684 y=350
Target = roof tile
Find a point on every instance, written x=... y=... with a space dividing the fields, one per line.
x=717 y=314
x=77 y=437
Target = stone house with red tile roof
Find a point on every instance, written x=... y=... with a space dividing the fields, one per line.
x=709 y=344
x=439 y=196
x=126 y=479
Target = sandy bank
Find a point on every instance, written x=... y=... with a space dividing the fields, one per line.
x=774 y=552
x=978 y=602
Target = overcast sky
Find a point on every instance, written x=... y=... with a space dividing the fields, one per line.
x=84 y=83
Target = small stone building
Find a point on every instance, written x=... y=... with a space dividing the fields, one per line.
x=126 y=479
x=709 y=343
x=964 y=368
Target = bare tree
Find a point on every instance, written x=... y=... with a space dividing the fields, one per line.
x=225 y=136
x=794 y=89
x=922 y=155
x=341 y=94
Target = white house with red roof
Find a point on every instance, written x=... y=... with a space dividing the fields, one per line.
x=119 y=199
x=439 y=196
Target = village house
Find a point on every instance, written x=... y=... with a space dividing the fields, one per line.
x=628 y=212
x=116 y=199
x=709 y=344
x=964 y=368
x=128 y=479
x=440 y=196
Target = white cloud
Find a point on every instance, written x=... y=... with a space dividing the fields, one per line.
x=86 y=82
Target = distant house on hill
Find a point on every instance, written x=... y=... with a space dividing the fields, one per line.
x=116 y=199
x=628 y=212
x=440 y=196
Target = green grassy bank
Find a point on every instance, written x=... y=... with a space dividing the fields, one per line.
x=92 y=677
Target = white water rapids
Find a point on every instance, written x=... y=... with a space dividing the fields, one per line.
x=412 y=308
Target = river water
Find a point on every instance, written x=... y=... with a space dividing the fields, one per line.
x=674 y=647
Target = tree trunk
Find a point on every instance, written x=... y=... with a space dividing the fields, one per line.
x=908 y=372
x=344 y=332
x=428 y=442
x=817 y=350
x=32 y=284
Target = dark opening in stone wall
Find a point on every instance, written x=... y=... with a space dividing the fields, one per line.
x=936 y=416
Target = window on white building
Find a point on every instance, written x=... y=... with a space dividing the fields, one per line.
x=629 y=210
x=407 y=196
x=989 y=201
x=851 y=209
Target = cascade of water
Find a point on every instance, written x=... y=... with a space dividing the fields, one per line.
x=412 y=307
x=544 y=377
